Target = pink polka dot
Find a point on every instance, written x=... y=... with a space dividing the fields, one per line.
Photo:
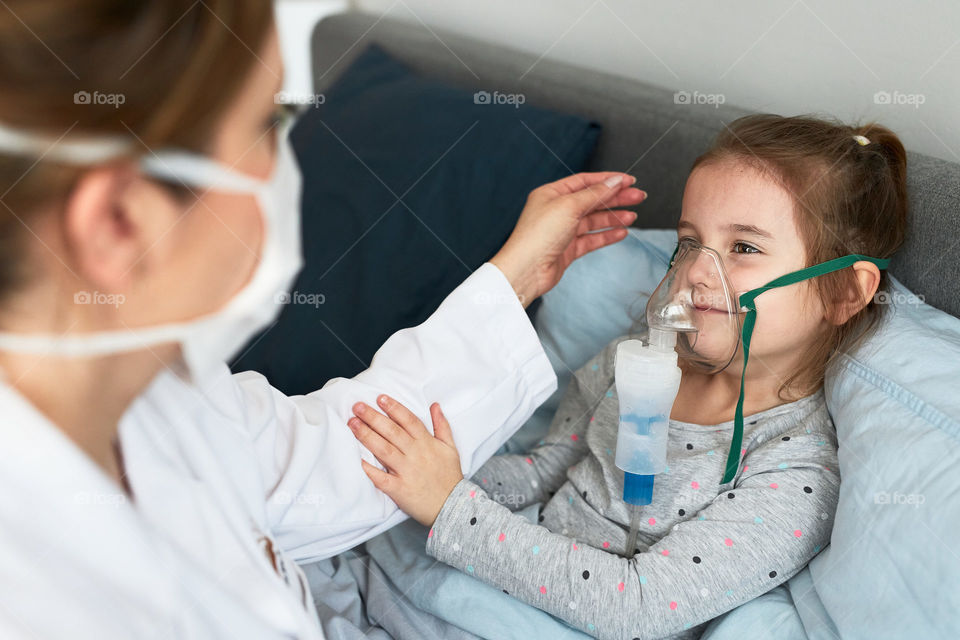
x=745 y=467
x=774 y=485
x=606 y=545
x=673 y=606
x=543 y=589
x=695 y=484
x=742 y=451
x=574 y=437
x=728 y=542
x=484 y=481
x=528 y=460
x=798 y=533
x=501 y=537
x=621 y=587
x=665 y=552
x=575 y=547
x=472 y=493
x=652 y=521
x=430 y=535
x=592 y=419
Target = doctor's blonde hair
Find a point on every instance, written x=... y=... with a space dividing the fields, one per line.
x=177 y=64
x=849 y=187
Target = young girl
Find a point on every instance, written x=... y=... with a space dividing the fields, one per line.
x=772 y=196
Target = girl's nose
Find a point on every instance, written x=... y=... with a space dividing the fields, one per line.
x=704 y=270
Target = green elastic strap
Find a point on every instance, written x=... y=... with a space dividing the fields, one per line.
x=747 y=300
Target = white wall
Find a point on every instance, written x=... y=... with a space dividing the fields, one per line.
x=295 y=22
x=784 y=56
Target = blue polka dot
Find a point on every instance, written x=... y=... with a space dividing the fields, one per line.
x=595 y=367
x=729 y=592
x=686 y=626
x=609 y=394
x=536 y=549
x=816 y=549
x=702 y=518
x=666 y=470
x=758 y=520
x=590 y=626
x=609 y=453
x=782 y=465
x=710 y=453
x=822 y=442
x=642 y=579
x=808 y=430
x=570 y=499
x=469 y=568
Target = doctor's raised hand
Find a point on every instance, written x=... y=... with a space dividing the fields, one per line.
x=561 y=222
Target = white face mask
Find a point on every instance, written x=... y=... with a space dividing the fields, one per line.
x=210 y=340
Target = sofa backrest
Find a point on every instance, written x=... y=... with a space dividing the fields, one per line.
x=650 y=132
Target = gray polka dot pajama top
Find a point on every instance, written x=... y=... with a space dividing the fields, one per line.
x=703 y=547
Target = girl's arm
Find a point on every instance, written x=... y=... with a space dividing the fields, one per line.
x=747 y=541
x=518 y=480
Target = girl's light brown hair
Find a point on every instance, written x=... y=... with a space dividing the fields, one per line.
x=848 y=198
x=176 y=63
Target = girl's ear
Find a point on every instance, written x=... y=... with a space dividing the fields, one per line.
x=867 y=279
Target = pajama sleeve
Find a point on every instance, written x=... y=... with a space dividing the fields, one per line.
x=762 y=531
x=516 y=481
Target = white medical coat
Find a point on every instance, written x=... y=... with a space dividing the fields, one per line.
x=233 y=483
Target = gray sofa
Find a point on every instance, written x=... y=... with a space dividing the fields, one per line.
x=645 y=132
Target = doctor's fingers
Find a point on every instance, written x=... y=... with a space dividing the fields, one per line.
x=402 y=416
x=384 y=451
x=605 y=219
x=578 y=181
x=600 y=196
x=383 y=425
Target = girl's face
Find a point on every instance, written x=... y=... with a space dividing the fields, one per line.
x=748 y=218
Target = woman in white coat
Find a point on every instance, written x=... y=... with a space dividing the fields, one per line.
x=150 y=219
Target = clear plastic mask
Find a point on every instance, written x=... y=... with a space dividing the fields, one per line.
x=697 y=301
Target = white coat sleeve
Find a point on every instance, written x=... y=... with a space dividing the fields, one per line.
x=477 y=355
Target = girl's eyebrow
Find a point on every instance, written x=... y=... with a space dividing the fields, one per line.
x=749 y=228
x=736 y=228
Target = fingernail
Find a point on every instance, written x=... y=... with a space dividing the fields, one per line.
x=644 y=194
x=383 y=400
x=352 y=423
x=633 y=180
x=359 y=407
x=613 y=181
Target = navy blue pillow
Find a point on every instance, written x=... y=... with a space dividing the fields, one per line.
x=463 y=167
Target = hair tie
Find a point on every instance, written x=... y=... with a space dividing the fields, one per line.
x=861 y=140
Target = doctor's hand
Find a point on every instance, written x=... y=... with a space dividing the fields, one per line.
x=422 y=469
x=556 y=225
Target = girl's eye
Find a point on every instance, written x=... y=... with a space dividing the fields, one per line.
x=744 y=248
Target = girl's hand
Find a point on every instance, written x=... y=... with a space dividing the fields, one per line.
x=422 y=469
x=555 y=228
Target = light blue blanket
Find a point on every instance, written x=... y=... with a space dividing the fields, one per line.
x=456 y=597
